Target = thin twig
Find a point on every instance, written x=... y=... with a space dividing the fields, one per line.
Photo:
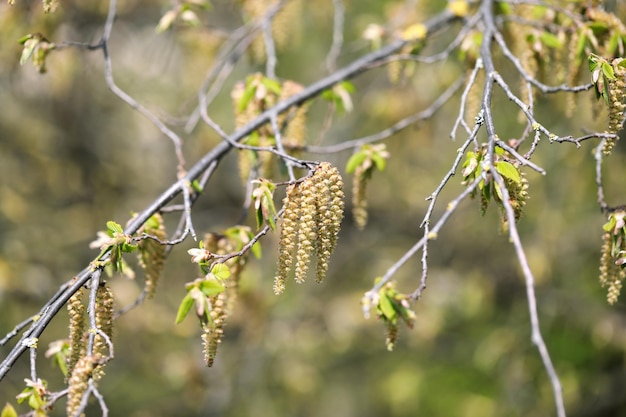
x=335 y=48
x=468 y=87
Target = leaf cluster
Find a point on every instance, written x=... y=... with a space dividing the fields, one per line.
x=477 y=167
x=263 y=196
x=393 y=307
x=36 y=48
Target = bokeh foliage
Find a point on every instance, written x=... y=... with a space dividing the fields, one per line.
x=73 y=156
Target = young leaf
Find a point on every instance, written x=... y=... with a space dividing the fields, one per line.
x=354 y=161
x=113 y=227
x=610 y=225
x=184 y=308
x=210 y=287
x=195 y=184
x=30 y=43
x=167 y=20
x=8 y=411
x=259 y=217
x=498 y=191
x=256 y=250
x=550 y=40
x=379 y=161
x=386 y=307
x=272 y=85
x=247 y=96
x=220 y=271
x=507 y=170
x=607 y=69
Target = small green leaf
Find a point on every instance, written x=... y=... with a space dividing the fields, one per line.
x=593 y=61
x=354 y=161
x=272 y=85
x=113 y=227
x=220 y=271
x=153 y=223
x=166 y=21
x=550 y=40
x=247 y=96
x=195 y=184
x=8 y=411
x=184 y=308
x=610 y=225
x=34 y=401
x=615 y=245
x=259 y=217
x=348 y=86
x=386 y=307
x=606 y=90
x=256 y=250
x=498 y=191
x=379 y=161
x=486 y=189
x=269 y=209
x=607 y=70
x=407 y=315
x=509 y=171
x=30 y=44
x=211 y=286
x=598 y=27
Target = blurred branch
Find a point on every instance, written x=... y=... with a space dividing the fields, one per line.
x=335 y=48
x=390 y=131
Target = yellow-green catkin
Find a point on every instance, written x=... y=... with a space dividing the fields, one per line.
x=617 y=96
x=359 y=198
x=573 y=70
x=79 y=383
x=391 y=335
x=222 y=245
x=307 y=233
x=284 y=25
x=76 y=311
x=288 y=236
x=152 y=254
x=611 y=274
x=310 y=225
x=213 y=330
x=518 y=194
x=249 y=160
x=104 y=323
x=294 y=135
x=330 y=215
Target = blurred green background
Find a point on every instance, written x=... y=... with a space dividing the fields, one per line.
x=73 y=156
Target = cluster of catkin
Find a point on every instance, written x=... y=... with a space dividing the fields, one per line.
x=220 y=304
x=83 y=366
x=613 y=251
x=617 y=96
x=152 y=253
x=518 y=193
x=284 y=25
x=291 y=125
x=310 y=225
